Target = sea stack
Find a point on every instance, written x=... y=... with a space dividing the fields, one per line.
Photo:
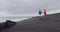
x=7 y=24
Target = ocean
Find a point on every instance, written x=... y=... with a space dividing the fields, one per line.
x=18 y=18
x=3 y=19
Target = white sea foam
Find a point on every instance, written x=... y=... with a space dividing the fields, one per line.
x=3 y=19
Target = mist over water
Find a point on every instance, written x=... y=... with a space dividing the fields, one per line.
x=19 y=18
x=3 y=19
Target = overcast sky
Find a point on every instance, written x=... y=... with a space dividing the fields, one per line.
x=27 y=7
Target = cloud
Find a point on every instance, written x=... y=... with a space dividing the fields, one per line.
x=34 y=5
x=25 y=7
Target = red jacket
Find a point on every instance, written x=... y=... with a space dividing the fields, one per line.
x=44 y=12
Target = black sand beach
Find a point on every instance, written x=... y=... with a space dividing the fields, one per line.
x=37 y=24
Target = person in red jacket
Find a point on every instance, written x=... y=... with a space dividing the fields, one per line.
x=44 y=13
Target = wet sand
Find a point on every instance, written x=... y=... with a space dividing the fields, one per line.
x=37 y=24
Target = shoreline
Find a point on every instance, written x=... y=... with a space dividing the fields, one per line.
x=37 y=24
